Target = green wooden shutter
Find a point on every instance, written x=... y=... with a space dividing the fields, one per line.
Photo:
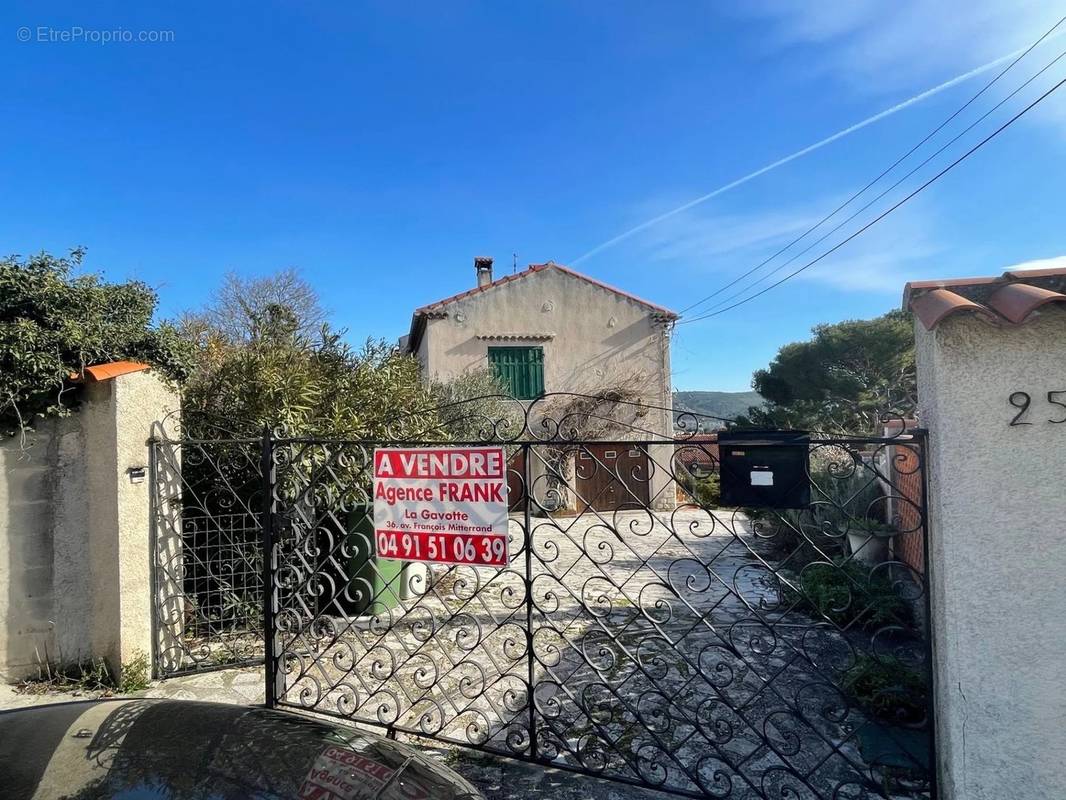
x=520 y=369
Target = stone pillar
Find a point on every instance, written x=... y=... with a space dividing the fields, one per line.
x=118 y=420
x=997 y=505
x=662 y=478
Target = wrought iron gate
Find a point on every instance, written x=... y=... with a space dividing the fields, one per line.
x=639 y=633
x=207 y=546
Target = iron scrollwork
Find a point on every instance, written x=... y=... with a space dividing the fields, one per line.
x=640 y=632
x=207 y=553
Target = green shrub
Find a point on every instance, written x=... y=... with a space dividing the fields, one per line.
x=841 y=501
x=136 y=674
x=708 y=491
x=887 y=689
x=705 y=491
x=56 y=320
x=846 y=592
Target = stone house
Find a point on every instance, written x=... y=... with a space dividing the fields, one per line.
x=549 y=329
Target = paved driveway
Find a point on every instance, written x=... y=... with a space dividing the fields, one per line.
x=662 y=655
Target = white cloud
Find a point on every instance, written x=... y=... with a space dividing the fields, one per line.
x=877 y=266
x=719 y=247
x=904 y=246
x=877 y=47
x=701 y=237
x=1055 y=262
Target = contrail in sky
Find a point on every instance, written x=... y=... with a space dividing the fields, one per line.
x=799 y=153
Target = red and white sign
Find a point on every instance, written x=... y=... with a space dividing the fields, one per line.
x=339 y=773
x=445 y=505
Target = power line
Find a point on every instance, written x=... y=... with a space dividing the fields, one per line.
x=888 y=211
x=798 y=154
x=895 y=164
x=929 y=158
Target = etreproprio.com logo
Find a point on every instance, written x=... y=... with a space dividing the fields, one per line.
x=77 y=34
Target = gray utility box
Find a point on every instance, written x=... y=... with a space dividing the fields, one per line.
x=765 y=469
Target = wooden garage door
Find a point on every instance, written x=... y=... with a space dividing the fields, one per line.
x=516 y=488
x=610 y=477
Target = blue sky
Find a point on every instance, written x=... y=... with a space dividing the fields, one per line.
x=379 y=147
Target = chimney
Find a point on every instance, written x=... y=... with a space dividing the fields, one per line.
x=483 y=268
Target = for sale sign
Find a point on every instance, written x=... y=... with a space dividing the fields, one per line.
x=441 y=504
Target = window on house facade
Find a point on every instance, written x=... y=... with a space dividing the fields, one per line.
x=519 y=369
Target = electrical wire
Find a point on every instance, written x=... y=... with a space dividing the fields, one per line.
x=929 y=158
x=894 y=164
x=888 y=211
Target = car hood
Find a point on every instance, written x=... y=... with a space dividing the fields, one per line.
x=174 y=749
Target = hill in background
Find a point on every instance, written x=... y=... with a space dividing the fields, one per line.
x=716 y=404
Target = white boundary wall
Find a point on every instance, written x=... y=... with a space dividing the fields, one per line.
x=75 y=531
x=998 y=554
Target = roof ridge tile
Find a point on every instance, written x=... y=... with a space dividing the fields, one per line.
x=1009 y=298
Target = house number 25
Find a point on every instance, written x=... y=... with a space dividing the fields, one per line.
x=1022 y=401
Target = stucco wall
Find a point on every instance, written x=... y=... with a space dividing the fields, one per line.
x=74 y=531
x=119 y=424
x=44 y=553
x=70 y=527
x=593 y=339
x=25 y=553
x=596 y=335
x=998 y=554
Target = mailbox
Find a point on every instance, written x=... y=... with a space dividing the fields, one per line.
x=765 y=469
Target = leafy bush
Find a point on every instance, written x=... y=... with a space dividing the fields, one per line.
x=845 y=497
x=475 y=405
x=703 y=489
x=54 y=322
x=313 y=385
x=846 y=592
x=708 y=491
x=136 y=674
x=264 y=355
x=887 y=689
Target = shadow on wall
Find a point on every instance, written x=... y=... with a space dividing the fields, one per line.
x=26 y=551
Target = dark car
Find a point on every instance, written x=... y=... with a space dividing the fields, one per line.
x=178 y=750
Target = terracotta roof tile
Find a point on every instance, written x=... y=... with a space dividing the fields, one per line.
x=701 y=450
x=936 y=304
x=105 y=372
x=1009 y=299
x=1025 y=274
x=1016 y=301
x=952 y=283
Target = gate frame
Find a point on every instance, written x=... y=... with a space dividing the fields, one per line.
x=166 y=462
x=915 y=438
x=270 y=510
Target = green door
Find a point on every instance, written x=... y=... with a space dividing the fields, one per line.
x=519 y=369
